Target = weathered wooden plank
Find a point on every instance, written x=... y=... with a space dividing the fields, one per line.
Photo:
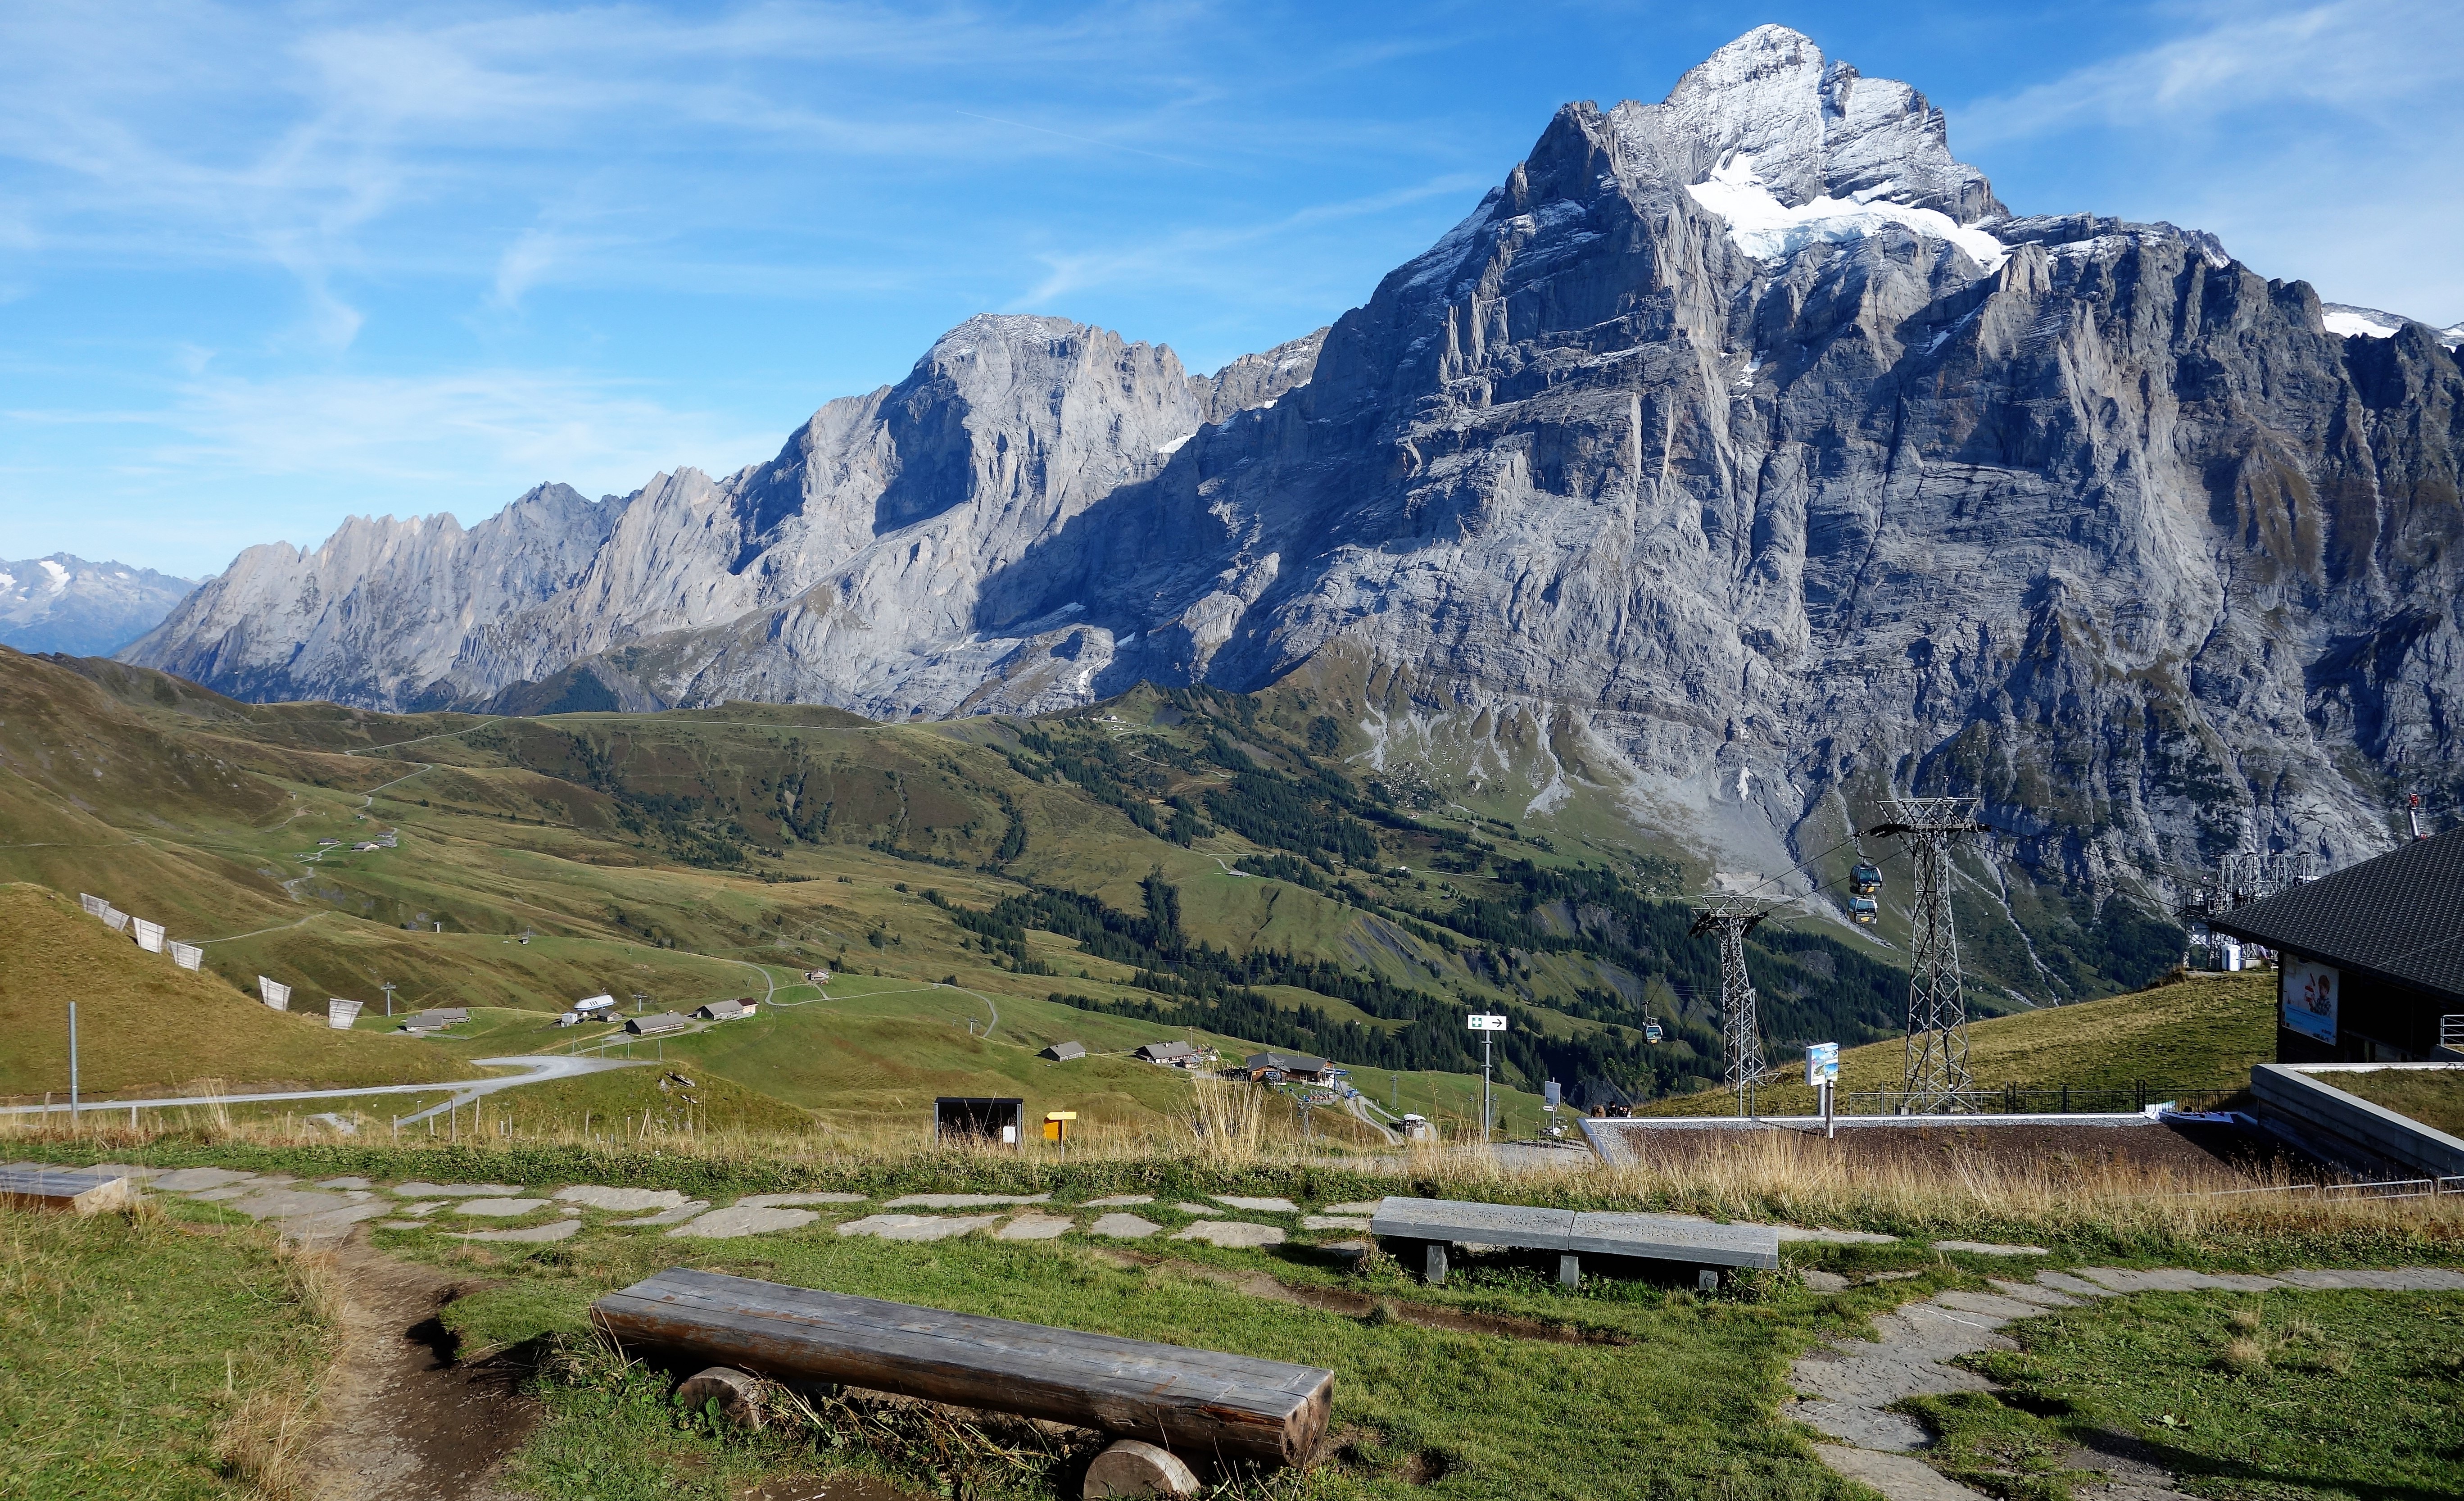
x=1200 y=1403
x=83 y=1189
x=1650 y=1237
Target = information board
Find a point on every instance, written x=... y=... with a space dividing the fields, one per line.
x=2310 y=992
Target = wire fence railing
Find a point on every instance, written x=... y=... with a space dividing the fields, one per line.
x=2012 y=1099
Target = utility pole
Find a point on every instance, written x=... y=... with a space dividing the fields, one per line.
x=1741 y=1035
x=1936 y=1076
x=387 y=988
x=73 y=1074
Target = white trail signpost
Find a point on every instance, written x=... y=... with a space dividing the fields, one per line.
x=1484 y=1024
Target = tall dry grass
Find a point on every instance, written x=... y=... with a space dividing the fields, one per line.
x=1240 y=1135
x=262 y=1441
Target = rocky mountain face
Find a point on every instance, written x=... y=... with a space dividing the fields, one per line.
x=63 y=603
x=1740 y=459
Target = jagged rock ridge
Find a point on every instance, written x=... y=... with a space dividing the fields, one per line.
x=1742 y=443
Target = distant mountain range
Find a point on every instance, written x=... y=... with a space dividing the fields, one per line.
x=63 y=603
x=1740 y=460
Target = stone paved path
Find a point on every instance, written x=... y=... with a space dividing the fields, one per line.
x=1843 y=1390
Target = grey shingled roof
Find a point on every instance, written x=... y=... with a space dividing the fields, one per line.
x=2401 y=916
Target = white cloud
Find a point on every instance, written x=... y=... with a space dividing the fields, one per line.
x=483 y=437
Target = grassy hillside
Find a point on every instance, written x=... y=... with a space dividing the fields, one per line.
x=145 y=1025
x=1173 y=861
x=2197 y=1033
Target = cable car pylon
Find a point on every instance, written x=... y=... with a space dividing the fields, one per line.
x=1936 y=1076
x=1733 y=917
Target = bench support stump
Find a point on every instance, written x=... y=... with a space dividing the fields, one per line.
x=1569 y=1271
x=1135 y=1468
x=1708 y=1278
x=1433 y=1263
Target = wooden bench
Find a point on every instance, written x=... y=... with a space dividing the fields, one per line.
x=1420 y=1231
x=86 y=1190
x=1200 y=1404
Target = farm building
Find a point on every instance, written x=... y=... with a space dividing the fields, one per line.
x=2371 y=960
x=1180 y=1055
x=735 y=1010
x=1272 y=1066
x=662 y=1022
x=1062 y=1053
x=435 y=1018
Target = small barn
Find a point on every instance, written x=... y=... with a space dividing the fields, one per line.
x=660 y=1021
x=1178 y=1055
x=1062 y=1053
x=436 y=1018
x=1271 y=1067
x=735 y=1010
x=2371 y=960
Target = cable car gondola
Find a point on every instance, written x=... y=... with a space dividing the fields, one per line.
x=1651 y=1032
x=1864 y=910
x=1864 y=878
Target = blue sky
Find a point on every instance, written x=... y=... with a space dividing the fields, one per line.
x=263 y=267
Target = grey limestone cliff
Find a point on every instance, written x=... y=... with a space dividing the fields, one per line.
x=1739 y=459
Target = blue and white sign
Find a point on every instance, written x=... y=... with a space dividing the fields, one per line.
x=1822 y=1064
x=2310 y=992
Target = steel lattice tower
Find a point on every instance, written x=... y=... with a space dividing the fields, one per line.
x=1937 y=1078
x=1741 y=1034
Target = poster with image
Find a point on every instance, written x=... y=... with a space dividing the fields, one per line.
x=2310 y=992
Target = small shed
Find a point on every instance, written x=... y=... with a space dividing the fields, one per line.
x=1062 y=1053
x=963 y=1118
x=1178 y=1054
x=735 y=1010
x=660 y=1021
x=2372 y=957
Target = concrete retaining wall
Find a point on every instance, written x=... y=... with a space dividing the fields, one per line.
x=2301 y=1103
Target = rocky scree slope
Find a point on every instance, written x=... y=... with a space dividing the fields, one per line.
x=1740 y=457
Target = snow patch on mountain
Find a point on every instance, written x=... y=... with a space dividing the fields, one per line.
x=1766 y=229
x=2369 y=323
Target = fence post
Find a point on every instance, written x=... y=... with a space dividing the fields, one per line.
x=2066 y=1099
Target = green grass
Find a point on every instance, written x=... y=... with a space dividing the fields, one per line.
x=2196 y=1033
x=2332 y=1396
x=2434 y=1097
x=1687 y=1408
x=144 y=1356
x=146 y=1025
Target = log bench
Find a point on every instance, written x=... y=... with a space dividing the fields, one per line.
x=86 y=1190
x=1419 y=1232
x=1200 y=1404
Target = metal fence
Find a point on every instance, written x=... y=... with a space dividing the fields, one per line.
x=2062 y=1100
x=2451 y=1029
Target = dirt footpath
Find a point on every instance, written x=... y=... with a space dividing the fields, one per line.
x=402 y=1420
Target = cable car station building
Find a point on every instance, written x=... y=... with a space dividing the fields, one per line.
x=2371 y=960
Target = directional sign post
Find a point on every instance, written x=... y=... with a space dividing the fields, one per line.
x=1484 y=1024
x=1822 y=1072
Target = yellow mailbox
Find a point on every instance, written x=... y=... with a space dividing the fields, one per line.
x=1056 y=1125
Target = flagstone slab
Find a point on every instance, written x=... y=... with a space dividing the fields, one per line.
x=1118 y=1201
x=736 y=1222
x=963 y=1201
x=416 y=1189
x=536 y=1235
x=189 y=1179
x=1259 y=1205
x=595 y=1195
x=1124 y=1227
x=1989 y=1249
x=1238 y=1234
x=502 y=1208
x=790 y=1201
x=911 y=1227
x=1035 y=1228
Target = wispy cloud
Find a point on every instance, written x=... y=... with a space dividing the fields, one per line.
x=2367 y=57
